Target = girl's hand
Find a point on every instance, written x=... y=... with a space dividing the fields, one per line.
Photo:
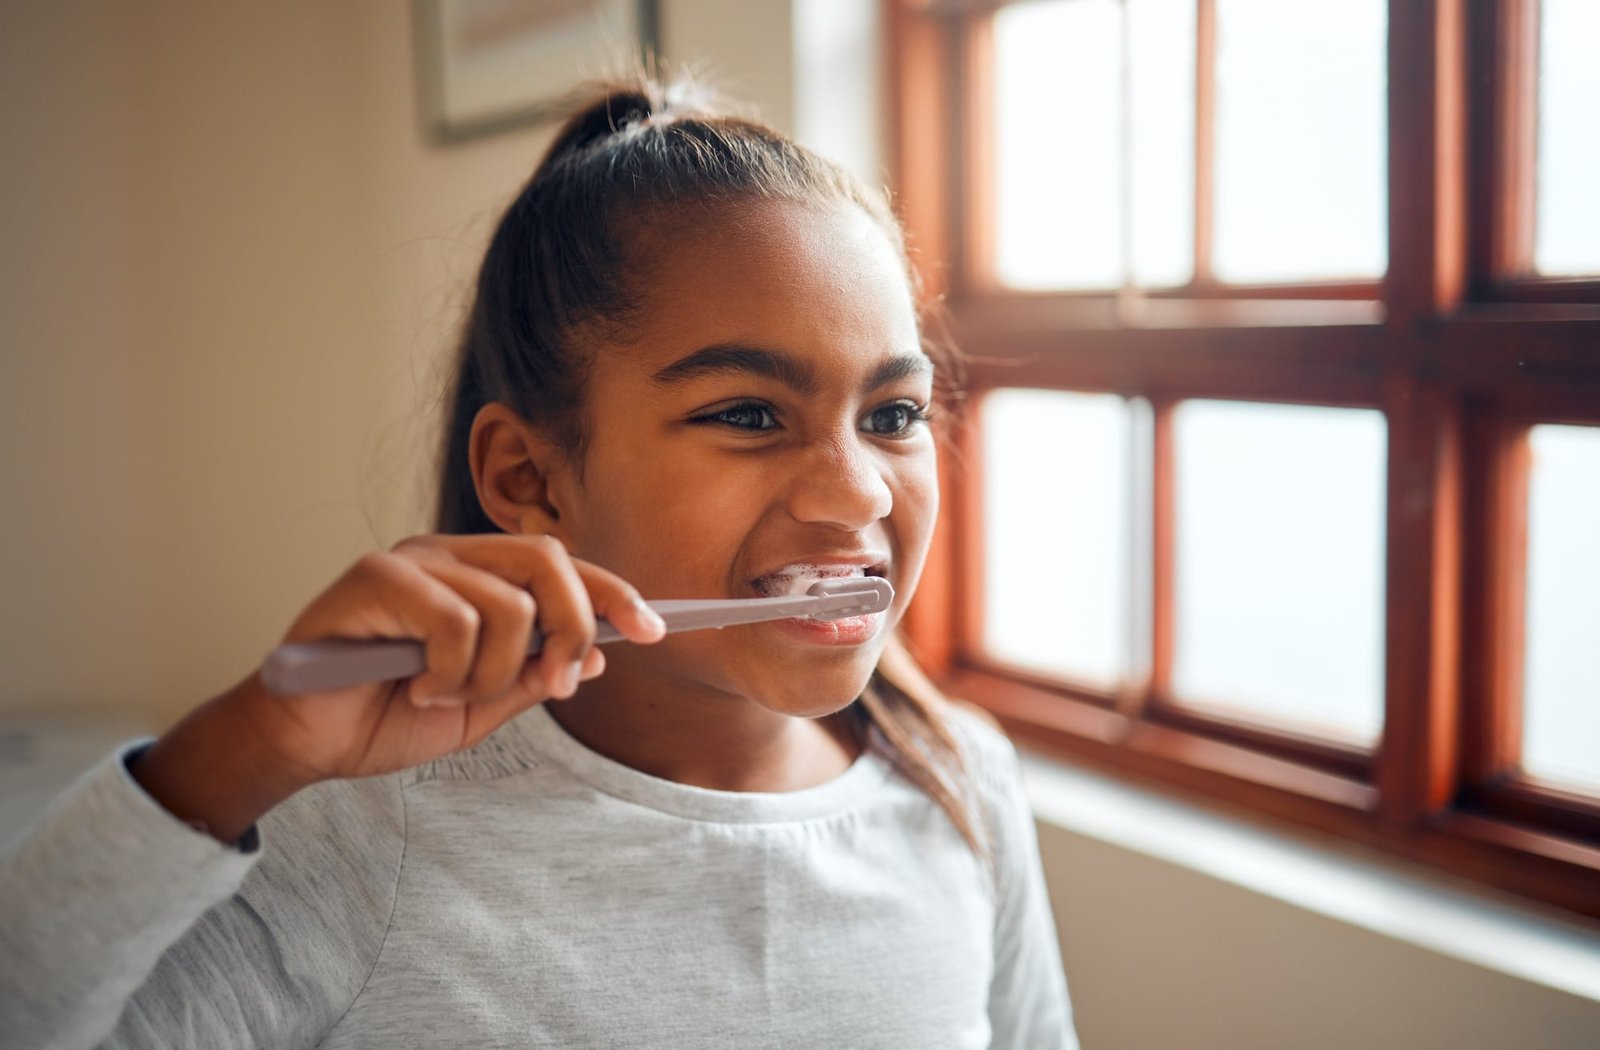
x=473 y=601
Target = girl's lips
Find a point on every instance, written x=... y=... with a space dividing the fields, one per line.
x=852 y=630
x=796 y=578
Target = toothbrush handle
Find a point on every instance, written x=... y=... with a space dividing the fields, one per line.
x=309 y=667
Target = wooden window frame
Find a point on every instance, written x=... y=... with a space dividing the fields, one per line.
x=1503 y=97
x=1460 y=353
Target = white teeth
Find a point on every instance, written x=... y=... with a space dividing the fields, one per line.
x=796 y=579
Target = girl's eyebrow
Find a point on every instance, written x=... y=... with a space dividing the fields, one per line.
x=903 y=366
x=792 y=371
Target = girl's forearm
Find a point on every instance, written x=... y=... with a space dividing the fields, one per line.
x=214 y=768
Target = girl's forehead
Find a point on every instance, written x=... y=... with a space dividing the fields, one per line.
x=822 y=284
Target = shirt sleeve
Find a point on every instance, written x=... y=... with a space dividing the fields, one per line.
x=1029 y=1007
x=122 y=926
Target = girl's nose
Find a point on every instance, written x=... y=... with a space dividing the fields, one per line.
x=842 y=485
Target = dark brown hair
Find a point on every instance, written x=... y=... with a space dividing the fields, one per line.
x=558 y=265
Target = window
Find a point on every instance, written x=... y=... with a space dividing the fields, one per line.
x=1280 y=479
x=1561 y=666
x=1118 y=192
x=1058 y=546
x=1567 y=217
x=1278 y=565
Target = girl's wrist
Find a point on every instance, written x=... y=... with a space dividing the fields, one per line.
x=214 y=771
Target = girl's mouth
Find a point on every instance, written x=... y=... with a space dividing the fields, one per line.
x=795 y=579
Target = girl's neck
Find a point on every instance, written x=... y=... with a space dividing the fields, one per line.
x=721 y=742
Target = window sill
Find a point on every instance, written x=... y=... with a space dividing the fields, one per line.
x=1394 y=900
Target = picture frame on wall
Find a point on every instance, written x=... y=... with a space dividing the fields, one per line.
x=488 y=65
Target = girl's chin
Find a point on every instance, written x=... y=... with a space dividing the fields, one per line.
x=821 y=695
x=767 y=665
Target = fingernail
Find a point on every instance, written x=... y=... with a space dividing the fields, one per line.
x=569 y=678
x=649 y=615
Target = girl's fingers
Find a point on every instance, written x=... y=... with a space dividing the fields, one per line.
x=468 y=598
x=591 y=666
x=513 y=558
x=506 y=615
x=570 y=592
x=616 y=600
x=385 y=595
x=566 y=616
x=561 y=586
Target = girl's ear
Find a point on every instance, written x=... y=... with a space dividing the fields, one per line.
x=512 y=467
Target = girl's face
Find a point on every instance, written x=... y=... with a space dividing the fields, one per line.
x=759 y=427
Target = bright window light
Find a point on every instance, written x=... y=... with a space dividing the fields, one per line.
x=1561 y=651
x=1566 y=237
x=1300 y=177
x=1057 y=544
x=1280 y=564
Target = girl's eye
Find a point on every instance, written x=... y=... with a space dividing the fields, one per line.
x=751 y=415
x=897 y=419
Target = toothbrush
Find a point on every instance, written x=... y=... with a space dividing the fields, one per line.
x=308 y=667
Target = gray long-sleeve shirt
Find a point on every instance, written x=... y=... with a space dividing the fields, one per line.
x=532 y=893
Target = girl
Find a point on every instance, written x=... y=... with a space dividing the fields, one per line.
x=693 y=368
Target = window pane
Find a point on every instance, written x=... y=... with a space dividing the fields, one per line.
x=1567 y=227
x=836 y=98
x=1300 y=122
x=1561 y=683
x=1056 y=533
x=1057 y=191
x=1060 y=182
x=1280 y=564
x=1162 y=47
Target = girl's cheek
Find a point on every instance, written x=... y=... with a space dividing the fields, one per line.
x=918 y=483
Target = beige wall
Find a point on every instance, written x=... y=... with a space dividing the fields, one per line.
x=232 y=270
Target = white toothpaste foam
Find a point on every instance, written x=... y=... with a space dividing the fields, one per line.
x=797 y=579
